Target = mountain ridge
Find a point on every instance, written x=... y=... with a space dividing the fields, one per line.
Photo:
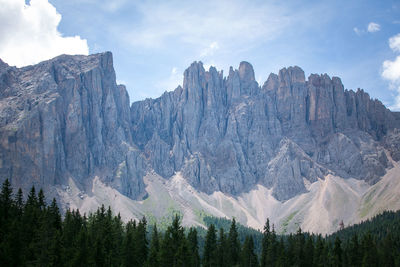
x=305 y=116
x=66 y=126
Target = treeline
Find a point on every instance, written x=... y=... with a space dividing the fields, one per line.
x=380 y=226
x=243 y=231
x=33 y=233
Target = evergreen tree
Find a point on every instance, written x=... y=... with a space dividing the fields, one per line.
x=30 y=229
x=173 y=244
x=233 y=245
x=5 y=204
x=337 y=253
x=129 y=245
x=248 y=257
x=54 y=215
x=309 y=252
x=210 y=255
x=222 y=249
x=153 y=259
x=354 y=258
x=370 y=254
x=82 y=253
x=141 y=243
x=41 y=200
x=193 y=247
x=281 y=255
x=319 y=252
x=272 y=248
x=388 y=251
x=19 y=202
x=167 y=254
x=265 y=244
x=299 y=255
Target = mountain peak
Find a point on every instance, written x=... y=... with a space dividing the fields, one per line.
x=293 y=74
x=246 y=71
x=3 y=65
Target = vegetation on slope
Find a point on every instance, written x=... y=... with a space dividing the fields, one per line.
x=33 y=233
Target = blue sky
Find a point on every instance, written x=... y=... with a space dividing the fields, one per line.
x=153 y=42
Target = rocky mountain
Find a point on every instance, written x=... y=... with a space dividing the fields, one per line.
x=66 y=125
x=228 y=134
x=67 y=119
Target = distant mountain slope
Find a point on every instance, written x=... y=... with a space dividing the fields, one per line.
x=301 y=152
x=228 y=134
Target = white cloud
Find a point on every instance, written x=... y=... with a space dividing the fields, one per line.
x=394 y=43
x=203 y=23
x=113 y=5
x=209 y=50
x=391 y=70
x=357 y=31
x=29 y=33
x=373 y=27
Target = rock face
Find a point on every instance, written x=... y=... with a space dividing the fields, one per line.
x=66 y=118
x=228 y=134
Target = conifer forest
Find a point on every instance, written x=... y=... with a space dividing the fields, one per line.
x=33 y=232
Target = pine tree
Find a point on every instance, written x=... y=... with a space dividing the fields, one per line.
x=54 y=215
x=318 y=252
x=299 y=256
x=210 y=255
x=6 y=205
x=19 y=202
x=248 y=257
x=370 y=254
x=55 y=252
x=337 y=253
x=281 y=253
x=271 y=256
x=233 y=245
x=167 y=255
x=129 y=245
x=388 y=251
x=354 y=257
x=265 y=244
x=141 y=243
x=182 y=255
x=153 y=258
x=171 y=252
x=6 y=202
x=193 y=247
x=30 y=230
x=41 y=200
x=309 y=252
x=222 y=249
x=291 y=251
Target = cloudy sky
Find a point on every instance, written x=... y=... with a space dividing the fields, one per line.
x=154 y=41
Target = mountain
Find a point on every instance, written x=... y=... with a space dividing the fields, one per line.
x=67 y=119
x=302 y=152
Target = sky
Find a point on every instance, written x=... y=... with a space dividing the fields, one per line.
x=153 y=42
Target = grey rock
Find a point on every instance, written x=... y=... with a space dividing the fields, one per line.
x=66 y=118
x=228 y=134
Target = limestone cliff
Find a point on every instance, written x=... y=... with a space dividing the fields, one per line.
x=67 y=118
